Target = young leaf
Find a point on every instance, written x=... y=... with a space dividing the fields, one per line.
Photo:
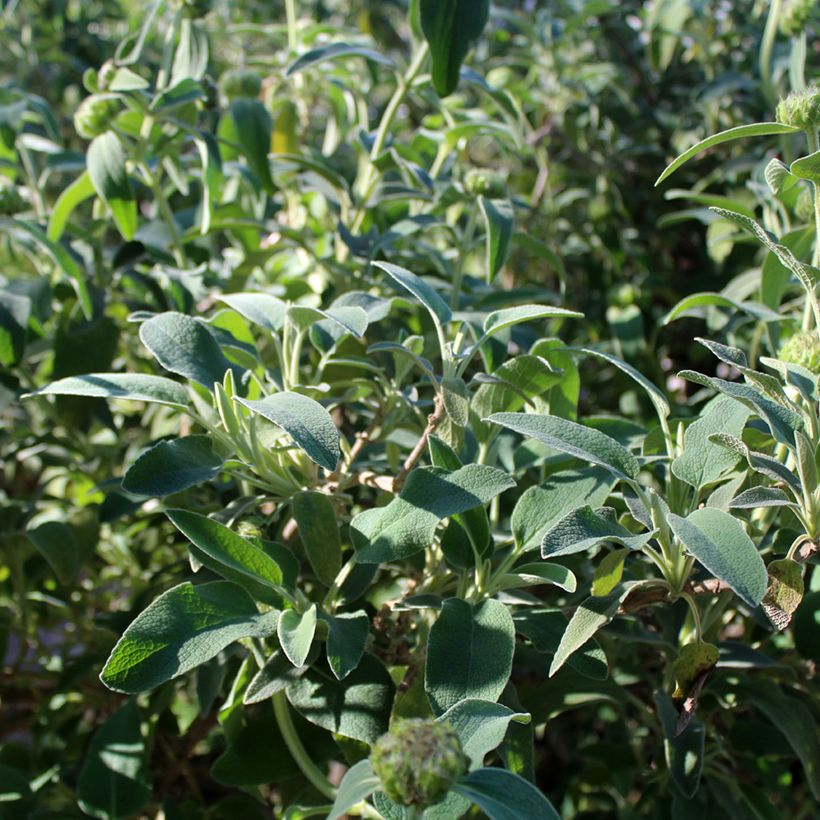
x=420 y=289
x=502 y=795
x=807 y=167
x=261 y=308
x=346 y=641
x=538 y=574
x=719 y=542
x=358 y=784
x=481 y=726
x=315 y=518
x=757 y=129
x=186 y=347
x=305 y=421
x=586 y=528
x=689 y=304
x=499 y=217
x=114 y=780
x=451 y=27
x=500 y=319
x=609 y=572
x=407 y=524
x=106 y=167
x=172 y=466
x=296 y=631
x=469 y=653
x=183 y=628
x=761 y=497
x=574 y=439
x=131 y=386
x=253 y=131
x=81 y=189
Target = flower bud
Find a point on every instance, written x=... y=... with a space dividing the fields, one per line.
x=11 y=202
x=95 y=115
x=801 y=109
x=418 y=761
x=802 y=349
x=240 y=83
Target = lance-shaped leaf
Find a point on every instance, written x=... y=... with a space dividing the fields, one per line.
x=451 y=27
x=595 y=612
x=586 y=528
x=407 y=524
x=315 y=518
x=131 y=386
x=183 y=628
x=171 y=466
x=55 y=541
x=107 y=169
x=76 y=193
x=503 y=795
x=469 y=653
x=757 y=129
x=781 y=420
x=420 y=289
x=229 y=553
x=336 y=51
x=539 y=508
x=761 y=497
x=807 y=167
x=499 y=218
x=305 y=421
x=572 y=438
x=262 y=309
x=689 y=306
x=538 y=574
x=760 y=462
x=481 y=726
x=350 y=319
x=186 y=347
x=500 y=319
x=702 y=461
x=253 y=133
x=719 y=542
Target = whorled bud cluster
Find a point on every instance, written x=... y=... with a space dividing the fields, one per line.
x=240 y=83
x=802 y=349
x=418 y=761
x=486 y=182
x=11 y=202
x=794 y=15
x=801 y=109
x=95 y=115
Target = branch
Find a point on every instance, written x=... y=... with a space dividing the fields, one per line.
x=433 y=421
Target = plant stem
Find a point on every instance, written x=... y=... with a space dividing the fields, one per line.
x=766 y=47
x=433 y=421
x=290 y=13
x=310 y=770
x=152 y=181
x=458 y=275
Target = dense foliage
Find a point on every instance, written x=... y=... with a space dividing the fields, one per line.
x=380 y=438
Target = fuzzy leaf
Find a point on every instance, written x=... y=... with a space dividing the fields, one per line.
x=171 y=466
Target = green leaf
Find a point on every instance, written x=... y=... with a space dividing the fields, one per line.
x=757 y=129
x=296 y=632
x=481 y=726
x=315 y=518
x=305 y=421
x=760 y=497
x=131 y=386
x=336 y=51
x=539 y=508
x=702 y=462
x=55 y=541
x=186 y=347
x=109 y=176
x=688 y=305
x=253 y=133
x=265 y=310
x=502 y=795
x=719 y=542
x=346 y=641
x=807 y=167
x=585 y=528
x=183 y=628
x=469 y=653
x=226 y=549
x=593 y=613
x=420 y=289
x=358 y=783
x=15 y=312
x=572 y=438
x=456 y=400
x=358 y=707
x=171 y=466
x=500 y=319
x=609 y=572
x=81 y=189
x=538 y=574
x=114 y=780
x=62 y=258
x=407 y=524
x=499 y=218
x=451 y=27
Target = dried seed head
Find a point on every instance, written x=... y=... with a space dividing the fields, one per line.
x=418 y=761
